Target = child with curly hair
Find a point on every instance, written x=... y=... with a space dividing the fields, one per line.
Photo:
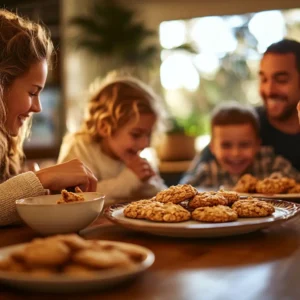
x=121 y=118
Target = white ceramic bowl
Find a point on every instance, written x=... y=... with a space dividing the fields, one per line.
x=46 y=217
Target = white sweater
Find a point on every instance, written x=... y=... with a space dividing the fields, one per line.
x=115 y=179
x=18 y=187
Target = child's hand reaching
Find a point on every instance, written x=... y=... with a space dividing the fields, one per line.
x=140 y=167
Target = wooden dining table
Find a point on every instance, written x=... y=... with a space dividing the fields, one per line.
x=259 y=265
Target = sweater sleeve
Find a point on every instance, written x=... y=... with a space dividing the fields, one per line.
x=18 y=187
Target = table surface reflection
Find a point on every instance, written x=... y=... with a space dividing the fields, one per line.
x=260 y=265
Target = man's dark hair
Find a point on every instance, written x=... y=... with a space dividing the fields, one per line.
x=286 y=46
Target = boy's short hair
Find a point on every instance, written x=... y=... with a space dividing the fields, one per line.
x=234 y=113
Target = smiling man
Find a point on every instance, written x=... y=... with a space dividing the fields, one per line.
x=280 y=90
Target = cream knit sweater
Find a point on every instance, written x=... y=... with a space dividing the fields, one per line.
x=115 y=179
x=18 y=187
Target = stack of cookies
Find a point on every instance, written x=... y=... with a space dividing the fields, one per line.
x=71 y=255
x=183 y=202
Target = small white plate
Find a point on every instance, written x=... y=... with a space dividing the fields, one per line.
x=64 y=283
x=283 y=211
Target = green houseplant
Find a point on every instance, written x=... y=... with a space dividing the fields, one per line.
x=178 y=143
x=175 y=144
x=111 y=33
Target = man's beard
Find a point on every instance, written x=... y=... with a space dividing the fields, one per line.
x=285 y=115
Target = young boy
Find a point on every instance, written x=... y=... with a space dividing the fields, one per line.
x=236 y=147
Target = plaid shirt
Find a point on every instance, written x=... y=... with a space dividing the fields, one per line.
x=211 y=174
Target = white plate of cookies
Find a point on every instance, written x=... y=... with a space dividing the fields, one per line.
x=69 y=263
x=182 y=211
x=272 y=187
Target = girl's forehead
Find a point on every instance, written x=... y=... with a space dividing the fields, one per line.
x=146 y=120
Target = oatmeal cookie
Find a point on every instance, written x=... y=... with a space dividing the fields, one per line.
x=270 y=186
x=230 y=196
x=130 y=250
x=215 y=214
x=73 y=241
x=176 y=193
x=288 y=183
x=246 y=184
x=168 y=212
x=207 y=199
x=48 y=252
x=137 y=209
x=294 y=190
x=101 y=259
x=253 y=208
x=67 y=197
